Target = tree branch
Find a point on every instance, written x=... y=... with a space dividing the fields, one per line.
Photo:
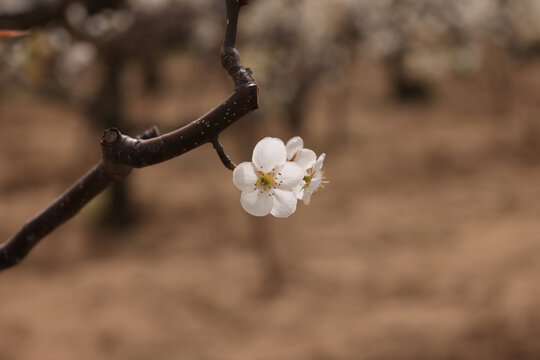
x=230 y=58
x=41 y=13
x=225 y=159
x=121 y=153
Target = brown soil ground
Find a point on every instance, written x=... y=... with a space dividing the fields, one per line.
x=425 y=244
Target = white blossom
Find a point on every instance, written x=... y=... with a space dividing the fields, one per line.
x=268 y=182
x=312 y=167
x=313 y=179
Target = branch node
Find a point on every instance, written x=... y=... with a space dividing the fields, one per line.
x=111 y=135
x=111 y=150
x=230 y=59
x=150 y=133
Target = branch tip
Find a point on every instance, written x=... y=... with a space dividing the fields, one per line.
x=111 y=135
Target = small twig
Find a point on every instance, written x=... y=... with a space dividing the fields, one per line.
x=150 y=133
x=225 y=159
x=121 y=153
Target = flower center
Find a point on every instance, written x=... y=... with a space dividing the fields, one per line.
x=308 y=177
x=266 y=181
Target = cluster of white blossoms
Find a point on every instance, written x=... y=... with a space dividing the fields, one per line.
x=278 y=176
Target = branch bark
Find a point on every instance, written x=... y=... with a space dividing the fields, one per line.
x=121 y=153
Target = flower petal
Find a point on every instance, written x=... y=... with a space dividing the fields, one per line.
x=284 y=203
x=305 y=158
x=245 y=176
x=293 y=145
x=319 y=163
x=307 y=197
x=269 y=153
x=257 y=203
x=314 y=183
x=289 y=175
x=299 y=190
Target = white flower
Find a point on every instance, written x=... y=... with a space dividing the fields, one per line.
x=312 y=167
x=268 y=182
x=312 y=180
x=305 y=158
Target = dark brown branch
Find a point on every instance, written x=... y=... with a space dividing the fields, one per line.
x=225 y=159
x=125 y=150
x=230 y=58
x=121 y=153
x=42 y=13
x=63 y=208
x=39 y=15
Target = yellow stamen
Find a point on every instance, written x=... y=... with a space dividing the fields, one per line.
x=266 y=181
x=309 y=177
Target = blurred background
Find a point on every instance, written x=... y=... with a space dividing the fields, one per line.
x=425 y=244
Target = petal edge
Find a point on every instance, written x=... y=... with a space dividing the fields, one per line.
x=245 y=177
x=284 y=203
x=269 y=153
x=256 y=203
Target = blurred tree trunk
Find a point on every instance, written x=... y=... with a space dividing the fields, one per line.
x=498 y=75
x=404 y=87
x=107 y=112
x=150 y=69
x=296 y=107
